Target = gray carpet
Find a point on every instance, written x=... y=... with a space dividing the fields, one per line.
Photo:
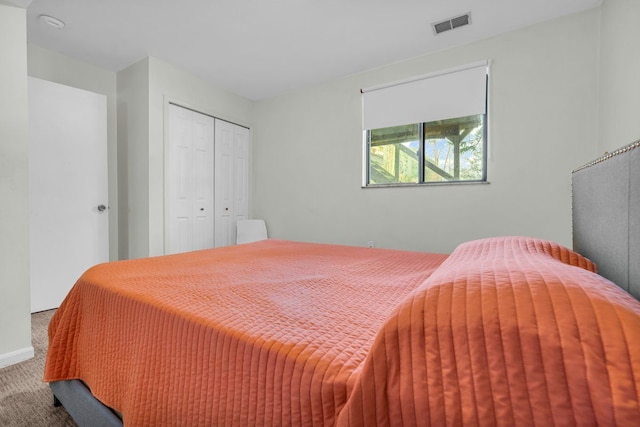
x=24 y=399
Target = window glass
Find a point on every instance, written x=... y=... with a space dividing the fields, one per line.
x=454 y=149
x=451 y=150
x=393 y=154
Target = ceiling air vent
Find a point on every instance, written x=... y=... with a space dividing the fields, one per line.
x=452 y=23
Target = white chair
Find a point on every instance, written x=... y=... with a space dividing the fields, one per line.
x=250 y=230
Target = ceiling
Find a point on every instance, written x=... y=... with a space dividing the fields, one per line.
x=262 y=48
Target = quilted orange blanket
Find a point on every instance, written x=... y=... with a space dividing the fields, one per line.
x=508 y=331
x=269 y=333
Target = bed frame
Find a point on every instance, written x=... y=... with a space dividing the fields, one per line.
x=606 y=229
x=85 y=409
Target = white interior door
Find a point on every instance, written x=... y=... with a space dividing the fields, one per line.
x=190 y=181
x=231 y=180
x=68 y=194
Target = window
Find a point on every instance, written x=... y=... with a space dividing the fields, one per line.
x=441 y=151
x=428 y=130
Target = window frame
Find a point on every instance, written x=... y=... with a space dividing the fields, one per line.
x=421 y=160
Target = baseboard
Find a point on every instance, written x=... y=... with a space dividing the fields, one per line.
x=17 y=356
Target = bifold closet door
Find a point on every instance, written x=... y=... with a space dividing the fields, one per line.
x=231 y=180
x=190 y=181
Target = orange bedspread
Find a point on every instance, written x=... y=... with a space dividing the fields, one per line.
x=507 y=331
x=269 y=333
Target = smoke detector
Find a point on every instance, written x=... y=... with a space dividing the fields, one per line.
x=51 y=21
x=452 y=23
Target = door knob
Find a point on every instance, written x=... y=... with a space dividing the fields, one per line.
x=102 y=208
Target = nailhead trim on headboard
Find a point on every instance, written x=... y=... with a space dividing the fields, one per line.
x=610 y=155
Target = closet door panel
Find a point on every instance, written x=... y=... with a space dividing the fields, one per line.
x=190 y=181
x=241 y=173
x=203 y=152
x=223 y=182
x=231 y=179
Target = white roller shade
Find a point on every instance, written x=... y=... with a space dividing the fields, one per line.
x=453 y=93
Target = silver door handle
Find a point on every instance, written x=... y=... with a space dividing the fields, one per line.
x=102 y=208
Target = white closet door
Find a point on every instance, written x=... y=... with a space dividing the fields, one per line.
x=203 y=151
x=231 y=180
x=190 y=181
x=241 y=175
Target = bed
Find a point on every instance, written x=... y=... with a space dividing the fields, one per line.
x=503 y=331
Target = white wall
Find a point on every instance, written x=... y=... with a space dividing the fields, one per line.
x=308 y=149
x=550 y=92
x=161 y=83
x=133 y=159
x=54 y=67
x=619 y=84
x=15 y=319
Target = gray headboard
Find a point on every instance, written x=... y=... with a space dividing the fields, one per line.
x=606 y=215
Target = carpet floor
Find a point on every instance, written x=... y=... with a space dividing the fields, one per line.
x=25 y=400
